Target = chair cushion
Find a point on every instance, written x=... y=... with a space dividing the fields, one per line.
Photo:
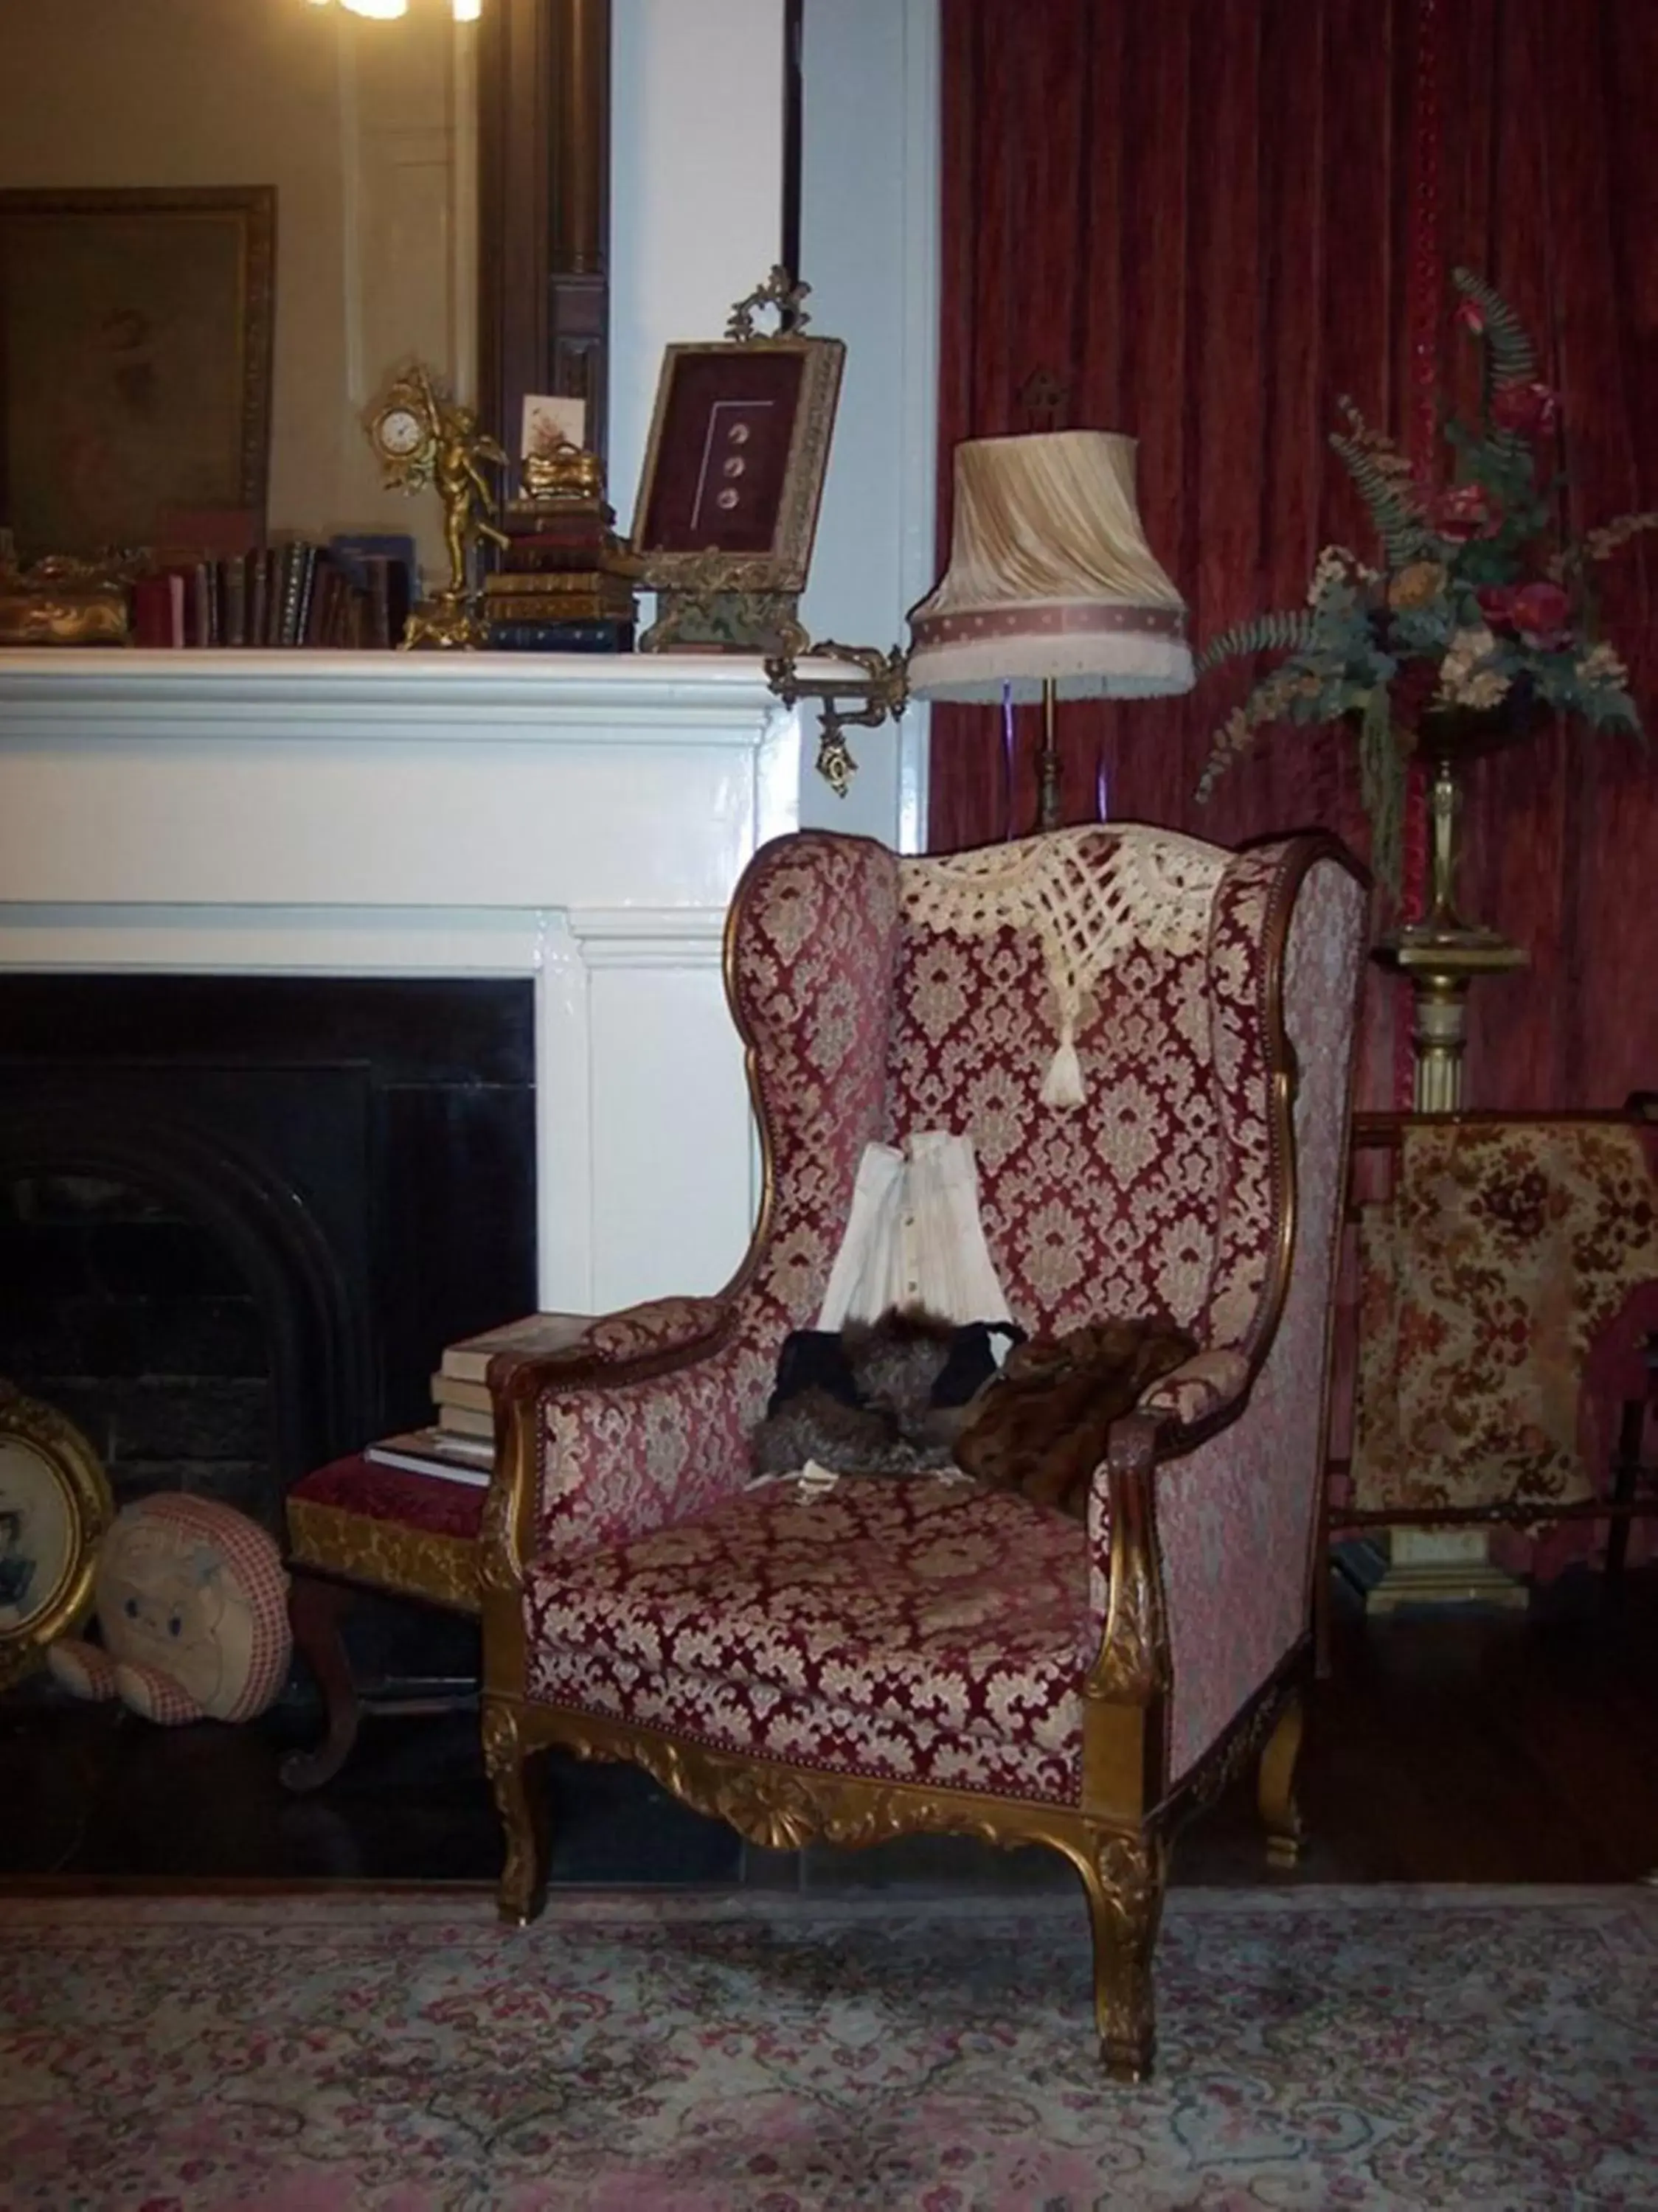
x=915 y=1629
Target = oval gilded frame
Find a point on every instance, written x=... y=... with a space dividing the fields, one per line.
x=55 y=1504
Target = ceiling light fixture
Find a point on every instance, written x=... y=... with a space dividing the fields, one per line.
x=463 y=12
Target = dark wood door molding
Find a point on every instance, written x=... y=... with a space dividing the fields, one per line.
x=543 y=208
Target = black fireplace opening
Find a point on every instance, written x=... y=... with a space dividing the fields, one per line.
x=240 y=1217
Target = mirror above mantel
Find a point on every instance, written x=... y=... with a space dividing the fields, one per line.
x=440 y=194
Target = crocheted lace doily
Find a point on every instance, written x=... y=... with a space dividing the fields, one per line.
x=1087 y=895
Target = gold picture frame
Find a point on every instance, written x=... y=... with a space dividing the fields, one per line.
x=734 y=469
x=136 y=332
x=55 y=1504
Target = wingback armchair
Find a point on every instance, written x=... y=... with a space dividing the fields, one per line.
x=926 y=1654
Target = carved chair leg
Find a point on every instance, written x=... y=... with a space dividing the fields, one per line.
x=1124 y=1875
x=1276 y=1790
x=514 y=1768
x=316 y=1610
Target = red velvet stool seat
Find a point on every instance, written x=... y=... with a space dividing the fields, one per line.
x=356 y=1525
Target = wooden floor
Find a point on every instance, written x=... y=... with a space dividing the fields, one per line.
x=1463 y=1746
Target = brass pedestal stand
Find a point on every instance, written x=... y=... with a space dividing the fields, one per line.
x=1439 y=966
x=1439 y=956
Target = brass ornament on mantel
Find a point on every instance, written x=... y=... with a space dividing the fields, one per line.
x=711 y=596
x=67 y=600
x=780 y=289
x=423 y=437
x=708 y=607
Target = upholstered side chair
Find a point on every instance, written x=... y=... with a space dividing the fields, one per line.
x=1149 y=1040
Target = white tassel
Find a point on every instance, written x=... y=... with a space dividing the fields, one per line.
x=1063 y=1084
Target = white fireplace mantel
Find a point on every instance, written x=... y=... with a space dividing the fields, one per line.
x=579 y=823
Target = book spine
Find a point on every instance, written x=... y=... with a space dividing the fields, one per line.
x=258 y=596
x=289 y=629
x=448 y=1390
x=198 y=629
x=235 y=571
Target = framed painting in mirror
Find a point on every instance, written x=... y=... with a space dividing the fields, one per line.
x=135 y=360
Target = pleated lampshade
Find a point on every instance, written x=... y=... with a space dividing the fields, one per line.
x=1051 y=579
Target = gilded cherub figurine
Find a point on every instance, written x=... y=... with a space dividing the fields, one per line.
x=460 y=448
x=424 y=437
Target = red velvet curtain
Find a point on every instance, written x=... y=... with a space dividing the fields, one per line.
x=1196 y=219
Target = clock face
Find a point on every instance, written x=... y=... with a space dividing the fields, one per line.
x=400 y=432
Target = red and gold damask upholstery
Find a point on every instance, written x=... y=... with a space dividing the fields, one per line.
x=924 y=1631
x=875 y=1630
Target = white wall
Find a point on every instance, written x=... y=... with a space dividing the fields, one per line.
x=869 y=250
x=696 y=220
x=696 y=184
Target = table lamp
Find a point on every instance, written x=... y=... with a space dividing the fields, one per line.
x=1052 y=590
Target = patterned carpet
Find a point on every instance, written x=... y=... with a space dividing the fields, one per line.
x=338 y=2053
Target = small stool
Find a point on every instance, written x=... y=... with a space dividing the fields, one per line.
x=356 y=1525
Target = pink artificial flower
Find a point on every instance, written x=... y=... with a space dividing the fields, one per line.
x=1463 y=511
x=1532 y=409
x=1472 y=316
x=1496 y=604
x=1541 y=612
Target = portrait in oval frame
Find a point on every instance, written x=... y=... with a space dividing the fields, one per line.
x=55 y=1505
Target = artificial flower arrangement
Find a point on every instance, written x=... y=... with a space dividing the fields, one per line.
x=1482 y=608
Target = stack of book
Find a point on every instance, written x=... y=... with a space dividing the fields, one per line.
x=459 y=1442
x=560 y=586
x=349 y=592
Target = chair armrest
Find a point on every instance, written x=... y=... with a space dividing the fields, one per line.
x=1194 y=1394
x=594 y=1455
x=613 y=1341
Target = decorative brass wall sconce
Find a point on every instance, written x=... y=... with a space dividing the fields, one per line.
x=885 y=691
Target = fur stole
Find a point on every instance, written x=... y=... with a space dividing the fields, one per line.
x=1042 y=1426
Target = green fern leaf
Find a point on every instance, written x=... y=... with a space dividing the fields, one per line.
x=1271 y=632
x=1513 y=359
x=1405 y=533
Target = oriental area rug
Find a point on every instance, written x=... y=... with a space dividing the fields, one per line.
x=346 y=2052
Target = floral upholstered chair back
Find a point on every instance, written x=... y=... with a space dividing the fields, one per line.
x=1093 y=1007
x=1089 y=1007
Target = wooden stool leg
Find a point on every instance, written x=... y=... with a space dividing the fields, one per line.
x=317 y=1609
x=1276 y=1794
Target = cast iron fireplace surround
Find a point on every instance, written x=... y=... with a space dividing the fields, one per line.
x=240 y=1217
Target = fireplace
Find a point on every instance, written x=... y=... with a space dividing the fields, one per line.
x=240 y=1218
x=200 y=848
